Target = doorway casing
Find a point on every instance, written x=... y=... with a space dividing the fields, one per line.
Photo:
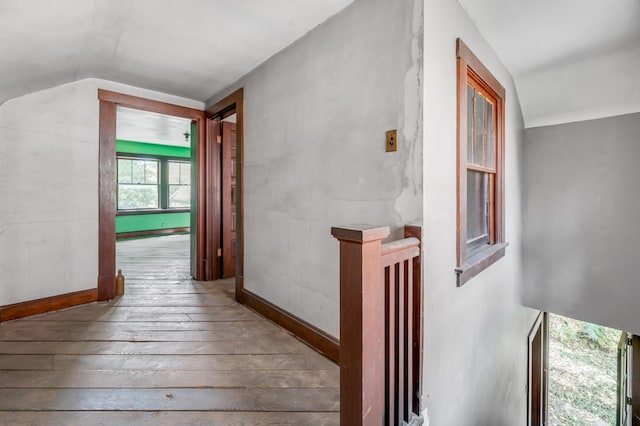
x=109 y=101
x=234 y=102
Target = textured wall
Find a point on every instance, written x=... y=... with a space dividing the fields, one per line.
x=581 y=213
x=49 y=189
x=315 y=122
x=475 y=364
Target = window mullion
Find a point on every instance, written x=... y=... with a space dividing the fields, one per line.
x=164 y=184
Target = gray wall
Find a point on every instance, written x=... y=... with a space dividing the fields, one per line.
x=475 y=364
x=315 y=119
x=581 y=215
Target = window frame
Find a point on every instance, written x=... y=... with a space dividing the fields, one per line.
x=158 y=183
x=163 y=184
x=470 y=262
x=169 y=184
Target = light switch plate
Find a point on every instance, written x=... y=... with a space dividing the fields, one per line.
x=392 y=140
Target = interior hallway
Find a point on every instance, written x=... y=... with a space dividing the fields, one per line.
x=170 y=351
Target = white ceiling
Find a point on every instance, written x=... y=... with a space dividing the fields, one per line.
x=555 y=48
x=143 y=126
x=190 y=48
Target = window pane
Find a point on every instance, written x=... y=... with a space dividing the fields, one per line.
x=179 y=196
x=174 y=173
x=478 y=146
x=185 y=173
x=137 y=171
x=477 y=205
x=491 y=136
x=124 y=171
x=151 y=172
x=137 y=197
x=470 y=96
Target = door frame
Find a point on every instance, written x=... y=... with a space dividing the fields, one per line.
x=540 y=325
x=107 y=187
x=233 y=101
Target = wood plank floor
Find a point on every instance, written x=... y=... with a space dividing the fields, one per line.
x=170 y=351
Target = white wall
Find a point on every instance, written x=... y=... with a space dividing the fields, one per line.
x=582 y=207
x=475 y=363
x=49 y=189
x=579 y=89
x=315 y=121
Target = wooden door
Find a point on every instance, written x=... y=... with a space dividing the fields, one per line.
x=628 y=380
x=538 y=372
x=229 y=199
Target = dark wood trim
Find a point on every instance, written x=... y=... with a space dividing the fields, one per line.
x=213 y=200
x=418 y=318
x=479 y=263
x=227 y=102
x=107 y=202
x=362 y=325
x=201 y=206
x=236 y=100
x=107 y=181
x=461 y=178
x=47 y=304
x=635 y=381
x=314 y=337
x=463 y=51
x=469 y=68
x=136 y=102
x=152 y=232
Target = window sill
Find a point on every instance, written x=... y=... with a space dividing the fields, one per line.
x=480 y=261
x=149 y=211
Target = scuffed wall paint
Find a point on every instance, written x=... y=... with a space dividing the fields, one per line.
x=475 y=363
x=315 y=119
x=49 y=189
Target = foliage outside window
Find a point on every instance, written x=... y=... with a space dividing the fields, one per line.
x=153 y=183
x=138 y=184
x=480 y=166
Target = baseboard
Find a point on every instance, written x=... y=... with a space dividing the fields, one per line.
x=151 y=233
x=316 y=338
x=47 y=304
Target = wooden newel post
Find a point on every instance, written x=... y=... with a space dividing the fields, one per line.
x=362 y=325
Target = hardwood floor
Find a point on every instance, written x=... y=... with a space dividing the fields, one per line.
x=170 y=351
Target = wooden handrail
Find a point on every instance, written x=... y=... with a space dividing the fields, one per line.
x=380 y=325
x=397 y=251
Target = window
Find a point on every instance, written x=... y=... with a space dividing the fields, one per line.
x=153 y=183
x=138 y=184
x=480 y=166
x=179 y=184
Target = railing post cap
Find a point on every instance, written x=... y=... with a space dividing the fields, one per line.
x=360 y=233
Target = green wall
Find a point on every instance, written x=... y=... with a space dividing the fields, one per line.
x=152 y=221
x=147 y=222
x=131 y=147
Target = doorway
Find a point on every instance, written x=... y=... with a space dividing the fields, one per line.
x=109 y=104
x=154 y=194
x=582 y=373
x=225 y=189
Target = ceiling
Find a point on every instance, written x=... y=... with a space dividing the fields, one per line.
x=189 y=48
x=144 y=126
x=570 y=59
x=555 y=49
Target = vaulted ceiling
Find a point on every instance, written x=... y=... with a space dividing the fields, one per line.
x=190 y=48
x=570 y=59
